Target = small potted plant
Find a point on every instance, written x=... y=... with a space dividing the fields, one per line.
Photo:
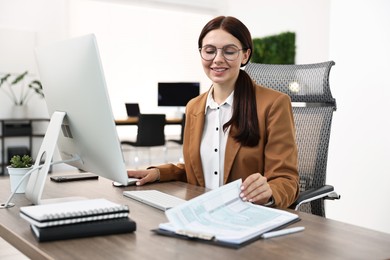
x=19 y=166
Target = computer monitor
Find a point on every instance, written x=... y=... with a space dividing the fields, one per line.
x=177 y=94
x=73 y=82
x=132 y=109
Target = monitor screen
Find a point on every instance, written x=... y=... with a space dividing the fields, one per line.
x=177 y=94
x=132 y=109
x=73 y=82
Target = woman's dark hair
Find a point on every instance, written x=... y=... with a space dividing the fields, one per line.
x=244 y=116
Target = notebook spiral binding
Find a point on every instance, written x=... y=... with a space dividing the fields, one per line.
x=85 y=213
x=56 y=214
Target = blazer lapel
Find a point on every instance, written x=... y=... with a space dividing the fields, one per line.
x=196 y=131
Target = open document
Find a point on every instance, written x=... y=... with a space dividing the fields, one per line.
x=221 y=215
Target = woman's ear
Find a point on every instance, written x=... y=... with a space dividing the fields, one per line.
x=245 y=57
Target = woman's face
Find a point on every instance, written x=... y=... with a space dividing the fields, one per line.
x=223 y=70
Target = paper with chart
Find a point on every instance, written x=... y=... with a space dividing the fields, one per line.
x=222 y=213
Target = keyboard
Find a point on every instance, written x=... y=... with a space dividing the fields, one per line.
x=154 y=198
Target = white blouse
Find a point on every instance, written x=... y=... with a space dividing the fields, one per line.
x=213 y=144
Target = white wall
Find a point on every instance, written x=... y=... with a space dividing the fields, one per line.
x=352 y=33
x=141 y=45
x=23 y=25
x=308 y=19
x=359 y=149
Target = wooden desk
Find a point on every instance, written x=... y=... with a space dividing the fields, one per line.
x=134 y=121
x=322 y=239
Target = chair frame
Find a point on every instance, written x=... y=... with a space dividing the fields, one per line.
x=309 y=90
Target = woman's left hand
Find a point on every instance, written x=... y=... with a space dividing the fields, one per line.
x=256 y=189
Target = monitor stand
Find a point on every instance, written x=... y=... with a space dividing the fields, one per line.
x=38 y=178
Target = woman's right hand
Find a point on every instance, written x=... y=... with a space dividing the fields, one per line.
x=144 y=176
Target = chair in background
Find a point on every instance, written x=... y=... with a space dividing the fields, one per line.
x=313 y=107
x=132 y=109
x=150 y=133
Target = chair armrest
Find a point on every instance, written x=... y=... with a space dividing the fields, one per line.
x=324 y=192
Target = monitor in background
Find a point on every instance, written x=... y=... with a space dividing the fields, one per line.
x=132 y=109
x=177 y=94
x=73 y=82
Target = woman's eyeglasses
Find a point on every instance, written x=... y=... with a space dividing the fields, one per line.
x=229 y=52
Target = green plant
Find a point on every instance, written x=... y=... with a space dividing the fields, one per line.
x=275 y=49
x=25 y=93
x=21 y=162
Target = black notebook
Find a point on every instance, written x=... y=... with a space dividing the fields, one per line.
x=73 y=212
x=85 y=229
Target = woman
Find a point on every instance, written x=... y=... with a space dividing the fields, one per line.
x=237 y=129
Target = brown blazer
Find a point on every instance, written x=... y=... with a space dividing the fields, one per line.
x=275 y=156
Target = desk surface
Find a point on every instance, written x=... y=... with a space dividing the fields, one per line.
x=322 y=238
x=134 y=121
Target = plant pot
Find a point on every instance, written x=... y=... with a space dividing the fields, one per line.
x=15 y=175
x=19 y=112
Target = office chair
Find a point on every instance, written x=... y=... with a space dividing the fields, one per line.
x=150 y=133
x=313 y=106
x=180 y=141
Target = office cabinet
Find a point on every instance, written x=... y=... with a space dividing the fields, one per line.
x=20 y=128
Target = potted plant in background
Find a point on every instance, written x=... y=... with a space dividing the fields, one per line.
x=20 y=90
x=19 y=166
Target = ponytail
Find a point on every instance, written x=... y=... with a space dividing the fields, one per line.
x=244 y=117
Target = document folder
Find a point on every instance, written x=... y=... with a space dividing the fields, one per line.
x=206 y=239
x=220 y=217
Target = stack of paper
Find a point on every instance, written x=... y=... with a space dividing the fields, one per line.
x=220 y=215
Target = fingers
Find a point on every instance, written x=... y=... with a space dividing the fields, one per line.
x=256 y=189
x=141 y=181
x=144 y=176
x=137 y=173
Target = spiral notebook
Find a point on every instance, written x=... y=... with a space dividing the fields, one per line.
x=73 y=212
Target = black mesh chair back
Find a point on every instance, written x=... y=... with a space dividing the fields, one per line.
x=313 y=107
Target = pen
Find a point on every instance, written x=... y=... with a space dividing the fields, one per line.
x=282 y=232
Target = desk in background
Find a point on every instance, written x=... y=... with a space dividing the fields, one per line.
x=134 y=121
x=322 y=239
